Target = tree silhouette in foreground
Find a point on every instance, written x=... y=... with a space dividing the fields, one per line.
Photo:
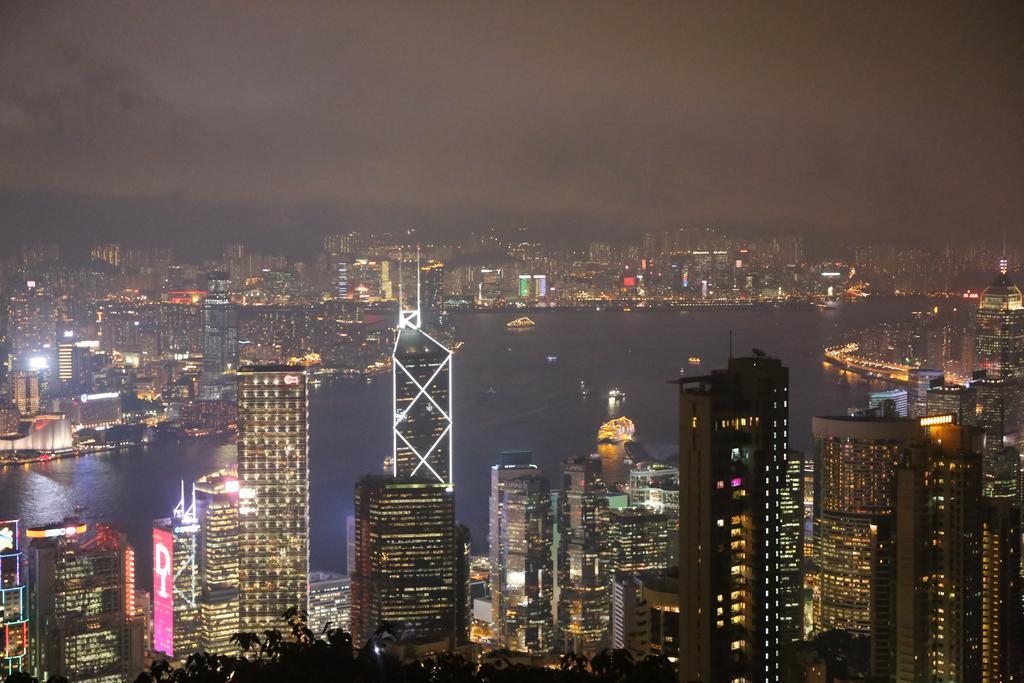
x=304 y=657
x=307 y=658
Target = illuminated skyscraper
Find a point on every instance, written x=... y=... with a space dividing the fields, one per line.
x=734 y=437
x=655 y=486
x=176 y=617
x=408 y=552
x=217 y=560
x=583 y=582
x=405 y=570
x=14 y=605
x=220 y=339
x=791 y=548
x=82 y=587
x=1002 y=625
x=32 y=326
x=999 y=329
x=422 y=383
x=920 y=382
x=890 y=402
x=330 y=601
x=637 y=541
x=955 y=399
x=997 y=407
x=26 y=391
x=273 y=505
x=936 y=565
x=522 y=576
x=432 y=291
x=856 y=458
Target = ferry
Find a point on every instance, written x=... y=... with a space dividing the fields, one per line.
x=616 y=431
x=552 y=359
x=694 y=360
x=520 y=323
x=616 y=394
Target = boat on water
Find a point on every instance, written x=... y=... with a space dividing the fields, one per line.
x=520 y=323
x=616 y=431
x=616 y=394
x=584 y=389
x=491 y=391
x=552 y=359
x=694 y=360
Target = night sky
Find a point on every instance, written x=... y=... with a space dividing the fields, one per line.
x=193 y=122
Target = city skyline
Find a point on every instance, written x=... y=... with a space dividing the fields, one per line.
x=602 y=341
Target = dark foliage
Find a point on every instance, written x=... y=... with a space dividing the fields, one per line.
x=307 y=658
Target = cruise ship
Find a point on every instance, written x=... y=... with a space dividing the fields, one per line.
x=520 y=323
x=616 y=431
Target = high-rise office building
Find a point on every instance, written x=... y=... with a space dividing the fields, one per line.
x=637 y=541
x=422 y=418
x=1002 y=625
x=891 y=401
x=432 y=293
x=82 y=585
x=583 y=582
x=999 y=329
x=72 y=366
x=734 y=437
x=409 y=553
x=26 y=391
x=405 y=571
x=951 y=399
x=216 y=497
x=32 y=325
x=181 y=328
x=176 y=614
x=220 y=339
x=936 y=565
x=655 y=485
x=14 y=606
x=856 y=458
x=522 y=576
x=273 y=496
x=920 y=381
x=330 y=601
x=997 y=410
x=791 y=548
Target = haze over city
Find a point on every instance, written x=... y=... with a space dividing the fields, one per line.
x=190 y=122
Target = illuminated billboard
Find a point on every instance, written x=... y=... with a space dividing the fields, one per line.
x=9 y=535
x=163 y=592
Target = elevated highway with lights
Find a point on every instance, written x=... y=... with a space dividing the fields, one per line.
x=846 y=357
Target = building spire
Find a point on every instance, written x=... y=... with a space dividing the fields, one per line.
x=1004 y=265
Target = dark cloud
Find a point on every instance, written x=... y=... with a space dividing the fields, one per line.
x=837 y=118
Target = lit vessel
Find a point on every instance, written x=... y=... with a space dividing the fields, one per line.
x=616 y=394
x=694 y=360
x=616 y=431
x=584 y=389
x=520 y=323
x=552 y=359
